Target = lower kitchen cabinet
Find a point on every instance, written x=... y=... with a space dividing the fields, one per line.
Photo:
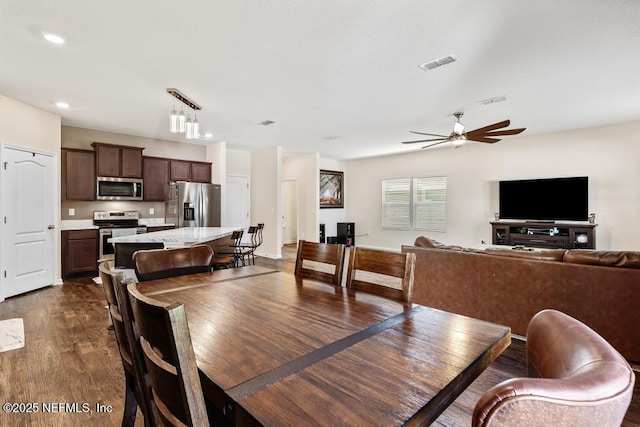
x=79 y=252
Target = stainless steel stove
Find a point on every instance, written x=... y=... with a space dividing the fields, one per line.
x=115 y=224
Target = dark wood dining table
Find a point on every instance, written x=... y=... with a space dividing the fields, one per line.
x=275 y=350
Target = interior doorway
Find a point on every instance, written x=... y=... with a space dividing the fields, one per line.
x=289 y=207
x=29 y=184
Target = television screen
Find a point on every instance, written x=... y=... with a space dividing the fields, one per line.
x=552 y=199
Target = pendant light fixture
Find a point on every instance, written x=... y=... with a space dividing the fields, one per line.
x=173 y=120
x=181 y=122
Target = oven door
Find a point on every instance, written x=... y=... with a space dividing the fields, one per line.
x=106 y=249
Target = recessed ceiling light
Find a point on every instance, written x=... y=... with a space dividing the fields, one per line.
x=490 y=101
x=53 y=38
x=437 y=63
x=208 y=135
x=62 y=104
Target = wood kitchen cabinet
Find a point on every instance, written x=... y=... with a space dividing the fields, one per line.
x=180 y=170
x=156 y=178
x=183 y=170
x=78 y=174
x=200 y=172
x=118 y=161
x=79 y=251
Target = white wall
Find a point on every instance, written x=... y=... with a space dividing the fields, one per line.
x=608 y=155
x=265 y=198
x=238 y=162
x=73 y=137
x=331 y=216
x=304 y=169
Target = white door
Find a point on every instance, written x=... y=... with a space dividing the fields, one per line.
x=289 y=195
x=237 y=202
x=29 y=193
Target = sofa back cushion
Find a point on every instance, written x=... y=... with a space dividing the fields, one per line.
x=625 y=259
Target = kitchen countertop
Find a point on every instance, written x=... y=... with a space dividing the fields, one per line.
x=77 y=224
x=185 y=236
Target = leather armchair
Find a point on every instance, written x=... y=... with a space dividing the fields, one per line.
x=576 y=378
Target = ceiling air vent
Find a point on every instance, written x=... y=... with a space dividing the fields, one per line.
x=266 y=123
x=490 y=101
x=432 y=65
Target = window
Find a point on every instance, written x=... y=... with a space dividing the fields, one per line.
x=396 y=204
x=415 y=204
x=429 y=203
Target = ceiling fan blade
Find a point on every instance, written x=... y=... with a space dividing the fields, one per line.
x=425 y=140
x=429 y=134
x=482 y=138
x=433 y=145
x=489 y=128
x=505 y=132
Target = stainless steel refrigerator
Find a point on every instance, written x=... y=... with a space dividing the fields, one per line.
x=193 y=204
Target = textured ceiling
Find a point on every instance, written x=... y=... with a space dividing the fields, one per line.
x=325 y=68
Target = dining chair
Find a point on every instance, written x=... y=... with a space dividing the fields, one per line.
x=576 y=378
x=320 y=261
x=136 y=393
x=162 y=263
x=388 y=274
x=170 y=360
x=248 y=249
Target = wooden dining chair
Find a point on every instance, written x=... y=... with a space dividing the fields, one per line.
x=320 y=261
x=388 y=274
x=136 y=390
x=170 y=360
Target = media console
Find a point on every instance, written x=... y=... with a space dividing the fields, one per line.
x=544 y=234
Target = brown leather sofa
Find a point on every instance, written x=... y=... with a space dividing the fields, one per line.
x=161 y=263
x=575 y=379
x=506 y=286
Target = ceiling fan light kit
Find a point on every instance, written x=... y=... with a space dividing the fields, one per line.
x=458 y=136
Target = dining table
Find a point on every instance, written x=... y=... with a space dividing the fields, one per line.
x=276 y=350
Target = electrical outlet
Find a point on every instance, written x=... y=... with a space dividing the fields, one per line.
x=152 y=211
x=72 y=212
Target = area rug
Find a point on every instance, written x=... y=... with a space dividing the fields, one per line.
x=11 y=334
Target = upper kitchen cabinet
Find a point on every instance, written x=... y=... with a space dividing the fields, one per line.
x=156 y=178
x=180 y=170
x=78 y=174
x=200 y=172
x=118 y=161
x=183 y=170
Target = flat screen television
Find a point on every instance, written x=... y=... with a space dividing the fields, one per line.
x=551 y=199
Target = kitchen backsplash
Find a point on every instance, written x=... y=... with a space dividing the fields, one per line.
x=84 y=210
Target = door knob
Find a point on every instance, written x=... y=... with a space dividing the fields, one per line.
x=51 y=227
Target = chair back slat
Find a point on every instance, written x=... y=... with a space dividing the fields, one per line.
x=324 y=253
x=378 y=266
x=170 y=359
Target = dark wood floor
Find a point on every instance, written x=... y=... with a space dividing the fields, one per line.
x=70 y=357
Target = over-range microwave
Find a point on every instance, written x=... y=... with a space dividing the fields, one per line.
x=110 y=188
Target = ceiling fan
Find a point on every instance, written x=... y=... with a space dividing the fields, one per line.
x=459 y=136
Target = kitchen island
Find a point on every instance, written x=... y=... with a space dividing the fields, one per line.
x=125 y=246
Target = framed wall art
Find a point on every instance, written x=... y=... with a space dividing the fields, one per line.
x=331 y=189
